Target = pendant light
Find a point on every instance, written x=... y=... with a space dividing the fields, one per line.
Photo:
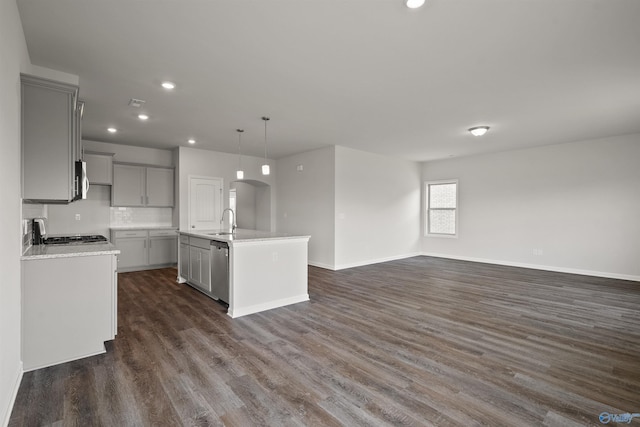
x=240 y=172
x=265 y=166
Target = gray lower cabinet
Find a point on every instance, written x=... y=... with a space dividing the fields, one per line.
x=145 y=249
x=69 y=308
x=162 y=250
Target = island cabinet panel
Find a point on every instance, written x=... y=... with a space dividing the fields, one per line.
x=67 y=316
x=200 y=268
x=183 y=266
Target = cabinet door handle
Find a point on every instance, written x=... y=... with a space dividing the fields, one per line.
x=145 y=244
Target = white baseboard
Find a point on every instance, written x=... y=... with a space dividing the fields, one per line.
x=374 y=261
x=321 y=265
x=243 y=311
x=539 y=267
x=14 y=394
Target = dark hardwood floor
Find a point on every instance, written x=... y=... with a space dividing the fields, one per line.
x=420 y=341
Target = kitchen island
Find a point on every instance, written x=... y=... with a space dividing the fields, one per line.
x=265 y=270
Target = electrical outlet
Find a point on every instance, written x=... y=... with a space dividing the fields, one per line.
x=77 y=217
x=274 y=256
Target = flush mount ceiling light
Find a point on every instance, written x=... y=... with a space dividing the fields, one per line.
x=168 y=85
x=143 y=116
x=479 y=130
x=265 y=166
x=414 y=4
x=112 y=130
x=240 y=172
x=191 y=141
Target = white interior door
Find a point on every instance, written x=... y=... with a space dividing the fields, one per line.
x=205 y=203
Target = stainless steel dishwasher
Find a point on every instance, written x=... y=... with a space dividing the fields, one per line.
x=220 y=270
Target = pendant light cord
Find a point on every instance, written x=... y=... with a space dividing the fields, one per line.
x=239 y=148
x=266 y=119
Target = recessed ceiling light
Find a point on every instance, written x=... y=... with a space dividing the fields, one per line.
x=143 y=116
x=112 y=130
x=168 y=85
x=479 y=130
x=414 y=4
x=191 y=141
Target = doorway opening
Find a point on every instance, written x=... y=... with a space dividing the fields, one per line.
x=251 y=201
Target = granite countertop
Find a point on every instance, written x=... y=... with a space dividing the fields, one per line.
x=241 y=235
x=67 y=251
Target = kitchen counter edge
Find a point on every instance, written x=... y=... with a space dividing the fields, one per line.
x=68 y=251
x=243 y=236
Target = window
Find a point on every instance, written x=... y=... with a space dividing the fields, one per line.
x=442 y=206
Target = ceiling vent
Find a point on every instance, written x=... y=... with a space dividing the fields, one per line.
x=136 y=103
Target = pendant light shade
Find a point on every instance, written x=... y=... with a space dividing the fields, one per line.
x=239 y=172
x=265 y=167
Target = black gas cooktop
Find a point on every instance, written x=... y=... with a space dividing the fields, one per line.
x=75 y=240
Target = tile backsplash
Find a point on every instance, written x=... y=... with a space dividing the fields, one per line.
x=141 y=217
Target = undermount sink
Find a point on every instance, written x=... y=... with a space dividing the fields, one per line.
x=221 y=233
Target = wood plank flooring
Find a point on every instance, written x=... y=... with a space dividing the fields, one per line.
x=419 y=341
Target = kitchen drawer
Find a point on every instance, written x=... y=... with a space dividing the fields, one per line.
x=184 y=239
x=199 y=243
x=162 y=233
x=130 y=233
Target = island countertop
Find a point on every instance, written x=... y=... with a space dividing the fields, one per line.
x=66 y=251
x=240 y=235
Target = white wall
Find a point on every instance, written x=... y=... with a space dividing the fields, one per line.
x=377 y=212
x=193 y=161
x=94 y=214
x=306 y=201
x=15 y=58
x=579 y=203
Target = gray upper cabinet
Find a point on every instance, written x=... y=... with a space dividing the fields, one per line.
x=50 y=134
x=99 y=168
x=159 y=187
x=139 y=185
x=128 y=185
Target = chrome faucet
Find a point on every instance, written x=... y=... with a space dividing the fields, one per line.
x=232 y=219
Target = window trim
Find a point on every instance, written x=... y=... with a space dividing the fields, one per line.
x=427 y=209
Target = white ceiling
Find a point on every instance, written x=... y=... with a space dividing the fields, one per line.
x=367 y=74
